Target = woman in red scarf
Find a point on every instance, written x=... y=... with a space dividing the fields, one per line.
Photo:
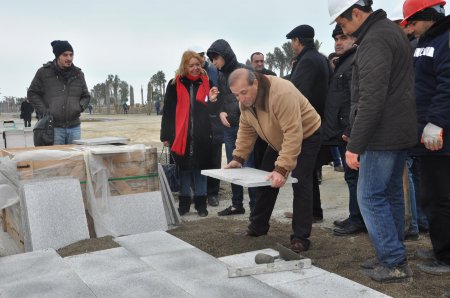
x=186 y=129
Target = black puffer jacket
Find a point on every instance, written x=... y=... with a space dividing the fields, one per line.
x=336 y=121
x=383 y=112
x=226 y=100
x=311 y=74
x=199 y=130
x=64 y=99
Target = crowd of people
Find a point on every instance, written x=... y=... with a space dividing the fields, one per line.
x=380 y=100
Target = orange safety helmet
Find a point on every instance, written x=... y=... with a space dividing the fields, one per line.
x=411 y=7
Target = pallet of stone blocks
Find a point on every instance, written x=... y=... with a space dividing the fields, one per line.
x=131 y=172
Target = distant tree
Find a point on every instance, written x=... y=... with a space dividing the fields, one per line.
x=270 y=61
x=124 y=91
x=317 y=43
x=280 y=60
x=289 y=55
x=131 y=96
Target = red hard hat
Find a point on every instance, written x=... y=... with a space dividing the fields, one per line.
x=411 y=7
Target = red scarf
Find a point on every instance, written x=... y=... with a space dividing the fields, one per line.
x=183 y=110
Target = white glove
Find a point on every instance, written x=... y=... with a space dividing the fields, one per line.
x=432 y=137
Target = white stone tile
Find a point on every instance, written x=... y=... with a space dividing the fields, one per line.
x=132 y=214
x=52 y=213
x=39 y=274
x=247 y=177
x=152 y=243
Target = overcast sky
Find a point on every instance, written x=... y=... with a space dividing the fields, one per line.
x=136 y=38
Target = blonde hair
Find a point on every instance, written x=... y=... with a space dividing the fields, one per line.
x=185 y=58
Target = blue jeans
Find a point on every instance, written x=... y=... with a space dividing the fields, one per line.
x=66 y=135
x=229 y=137
x=192 y=178
x=336 y=154
x=380 y=198
x=414 y=227
x=351 y=178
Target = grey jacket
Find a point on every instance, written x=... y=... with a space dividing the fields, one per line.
x=64 y=98
x=383 y=113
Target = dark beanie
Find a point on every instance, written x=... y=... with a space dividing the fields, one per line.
x=337 y=31
x=302 y=31
x=61 y=46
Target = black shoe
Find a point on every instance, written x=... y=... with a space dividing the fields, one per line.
x=231 y=211
x=202 y=212
x=340 y=223
x=411 y=236
x=213 y=200
x=425 y=254
x=349 y=229
x=317 y=219
x=435 y=267
x=401 y=273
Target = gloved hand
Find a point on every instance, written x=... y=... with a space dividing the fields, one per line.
x=432 y=137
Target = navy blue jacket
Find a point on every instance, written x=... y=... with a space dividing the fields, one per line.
x=432 y=76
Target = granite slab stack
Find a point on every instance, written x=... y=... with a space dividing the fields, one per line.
x=132 y=214
x=52 y=213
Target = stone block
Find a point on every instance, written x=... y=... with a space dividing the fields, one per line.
x=247 y=177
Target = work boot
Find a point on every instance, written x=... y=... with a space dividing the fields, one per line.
x=435 y=267
x=184 y=204
x=200 y=205
x=400 y=273
x=370 y=263
x=425 y=254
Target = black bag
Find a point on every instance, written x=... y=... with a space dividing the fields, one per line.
x=43 y=131
x=170 y=170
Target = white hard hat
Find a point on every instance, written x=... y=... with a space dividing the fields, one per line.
x=337 y=7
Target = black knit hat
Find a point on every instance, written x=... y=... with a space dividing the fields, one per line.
x=61 y=46
x=302 y=31
x=337 y=31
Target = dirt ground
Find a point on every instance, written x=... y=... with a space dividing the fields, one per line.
x=217 y=236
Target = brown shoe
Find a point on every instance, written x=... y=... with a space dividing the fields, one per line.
x=297 y=246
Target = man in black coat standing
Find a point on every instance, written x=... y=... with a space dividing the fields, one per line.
x=26 y=109
x=311 y=74
x=336 y=125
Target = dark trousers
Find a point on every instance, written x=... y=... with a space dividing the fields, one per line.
x=216 y=163
x=27 y=121
x=302 y=204
x=351 y=177
x=435 y=199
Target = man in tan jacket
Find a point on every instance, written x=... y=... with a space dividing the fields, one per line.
x=275 y=110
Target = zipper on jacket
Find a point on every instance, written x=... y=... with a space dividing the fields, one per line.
x=253 y=111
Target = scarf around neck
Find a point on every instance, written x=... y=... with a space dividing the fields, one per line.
x=183 y=109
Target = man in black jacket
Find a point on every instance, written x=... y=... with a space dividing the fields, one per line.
x=26 y=109
x=59 y=89
x=222 y=56
x=427 y=21
x=383 y=128
x=311 y=74
x=336 y=126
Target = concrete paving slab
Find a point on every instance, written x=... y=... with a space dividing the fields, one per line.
x=247 y=177
x=152 y=243
x=133 y=214
x=39 y=274
x=313 y=282
x=202 y=275
x=101 y=266
x=52 y=213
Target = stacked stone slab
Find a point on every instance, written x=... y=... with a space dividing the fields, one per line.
x=52 y=213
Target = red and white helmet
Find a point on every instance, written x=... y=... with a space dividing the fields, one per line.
x=411 y=7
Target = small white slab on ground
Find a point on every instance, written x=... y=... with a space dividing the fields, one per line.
x=247 y=177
